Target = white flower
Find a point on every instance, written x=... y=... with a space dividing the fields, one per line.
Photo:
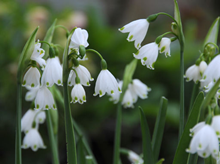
x=164 y=46
x=40 y=117
x=52 y=73
x=196 y=128
x=137 y=31
x=134 y=158
x=31 y=94
x=44 y=99
x=212 y=72
x=78 y=94
x=128 y=99
x=79 y=37
x=148 y=54
x=216 y=125
x=83 y=75
x=33 y=139
x=139 y=89
x=27 y=120
x=37 y=55
x=106 y=82
x=32 y=77
x=204 y=142
x=116 y=96
x=195 y=72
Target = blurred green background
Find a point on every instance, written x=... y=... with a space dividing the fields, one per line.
x=97 y=116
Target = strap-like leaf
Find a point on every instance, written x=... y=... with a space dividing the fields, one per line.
x=146 y=140
x=159 y=127
x=181 y=155
x=212 y=35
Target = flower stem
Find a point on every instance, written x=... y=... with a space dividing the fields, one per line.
x=181 y=122
x=117 y=135
x=162 y=13
x=18 y=158
x=96 y=52
x=193 y=96
x=52 y=138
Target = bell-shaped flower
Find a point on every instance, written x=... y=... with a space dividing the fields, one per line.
x=128 y=99
x=83 y=74
x=139 y=89
x=31 y=94
x=78 y=94
x=79 y=37
x=116 y=96
x=27 y=120
x=44 y=99
x=212 y=72
x=137 y=31
x=106 y=83
x=216 y=125
x=32 y=77
x=134 y=158
x=33 y=140
x=195 y=72
x=204 y=142
x=37 y=55
x=164 y=46
x=148 y=54
x=40 y=117
x=52 y=73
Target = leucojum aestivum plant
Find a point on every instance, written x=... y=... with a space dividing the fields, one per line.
x=41 y=72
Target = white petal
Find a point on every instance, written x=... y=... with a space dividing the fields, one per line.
x=40 y=118
x=27 y=120
x=193 y=73
x=78 y=94
x=32 y=77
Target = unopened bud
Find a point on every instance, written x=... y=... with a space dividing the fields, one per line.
x=82 y=51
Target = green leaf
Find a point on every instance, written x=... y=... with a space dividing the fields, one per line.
x=177 y=13
x=212 y=35
x=81 y=153
x=128 y=74
x=159 y=127
x=181 y=155
x=48 y=38
x=146 y=140
x=53 y=144
x=160 y=161
x=25 y=56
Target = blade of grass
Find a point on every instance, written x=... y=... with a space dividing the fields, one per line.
x=159 y=127
x=146 y=140
x=181 y=155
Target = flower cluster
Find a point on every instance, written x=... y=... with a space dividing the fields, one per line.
x=80 y=76
x=40 y=94
x=205 y=139
x=148 y=53
x=135 y=89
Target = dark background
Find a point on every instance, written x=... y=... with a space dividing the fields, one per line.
x=97 y=116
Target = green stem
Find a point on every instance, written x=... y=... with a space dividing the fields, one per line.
x=52 y=138
x=86 y=145
x=96 y=52
x=181 y=122
x=213 y=45
x=70 y=138
x=117 y=135
x=63 y=27
x=18 y=158
x=162 y=13
x=193 y=96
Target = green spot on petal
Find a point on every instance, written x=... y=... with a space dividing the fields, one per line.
x=38 y=51
x=205 y=77
x=162 y=49
x=130 y=37
x=217 y=133
x=24 y=82
x=54 y=106
x=122 y=28
x=145 y=58
x=112 y=91
x=203 y=154
x=76 y=98
x=46 y=106
x=136 y=53
x=80 y=101
x=87 y=83
x=47 y=83
x=100 y=92
x=84 y=98
x=38 y=106
x=59 y=82
x=32 y=85
x=153 y=65
x=119 y=89
x=138 y=44
x=35 y=146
